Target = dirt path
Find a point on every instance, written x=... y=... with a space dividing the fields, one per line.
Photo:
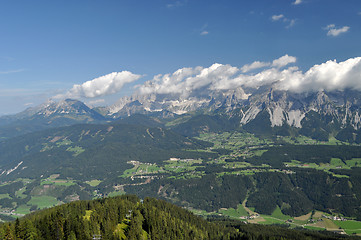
x=250 y=212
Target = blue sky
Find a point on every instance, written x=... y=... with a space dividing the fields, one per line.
x=48 y=46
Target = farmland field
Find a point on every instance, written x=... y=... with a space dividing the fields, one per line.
x=43 y=201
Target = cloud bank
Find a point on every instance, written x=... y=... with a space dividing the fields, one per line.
x=184 y=82
x=101 y=86
x=331 y=75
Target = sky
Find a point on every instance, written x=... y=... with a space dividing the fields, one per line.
x=98 y=51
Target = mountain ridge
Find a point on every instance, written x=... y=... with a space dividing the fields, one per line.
x=337 y=113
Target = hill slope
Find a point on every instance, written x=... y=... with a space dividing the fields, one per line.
x=91 y=151
x=127 y=217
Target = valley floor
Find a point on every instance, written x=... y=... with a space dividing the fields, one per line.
x=240 y=154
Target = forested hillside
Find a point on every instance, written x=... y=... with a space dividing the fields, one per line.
x=128 y=217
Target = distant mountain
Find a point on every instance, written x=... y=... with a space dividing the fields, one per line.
x=319 y=115
x=48 y=115
x=265 y=110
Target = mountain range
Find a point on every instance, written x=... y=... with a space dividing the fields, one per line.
x=265 y=110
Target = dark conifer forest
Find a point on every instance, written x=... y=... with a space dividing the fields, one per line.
x=128 y=217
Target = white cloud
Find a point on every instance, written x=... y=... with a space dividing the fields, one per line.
x=186 y=80
x=283 y=61
x=204 y=33
x=277 y=63
x=290 y=22
x=326 y=76
x=331 y=76
x=277 y=17
x=254 y=65
x=334 y=32
x=176 y=4
x=297 y=2
x=101 y=86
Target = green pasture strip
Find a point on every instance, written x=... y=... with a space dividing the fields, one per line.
x=43 y=201
x=23 y=209
x=20 y=193
x=277 y=213
x=348 y=224
x=76 y=150
x=271 y=220
x=354 y=162
x=4 y=195
x=93 y=183
x=115 y=193
x=141 y=169
x=336 y=162
x=353 y=231
x=234 y=213
x=58 y=182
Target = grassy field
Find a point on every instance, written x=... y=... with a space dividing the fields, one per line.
x=4 y=195
x=234 y=213
x=349 y=226
x=141 y=169
x=116 y=193
x=43 y=201
x=59 y=182
x=303 y=217
x=232 y=165
x=277 y=217
x=20 y=193
x=76 y=150
x=93 y=183
x=234 y=140
x=23 y=209
x=277 y=213
x=354 y=162
x=335 y=163
x=270 y=220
